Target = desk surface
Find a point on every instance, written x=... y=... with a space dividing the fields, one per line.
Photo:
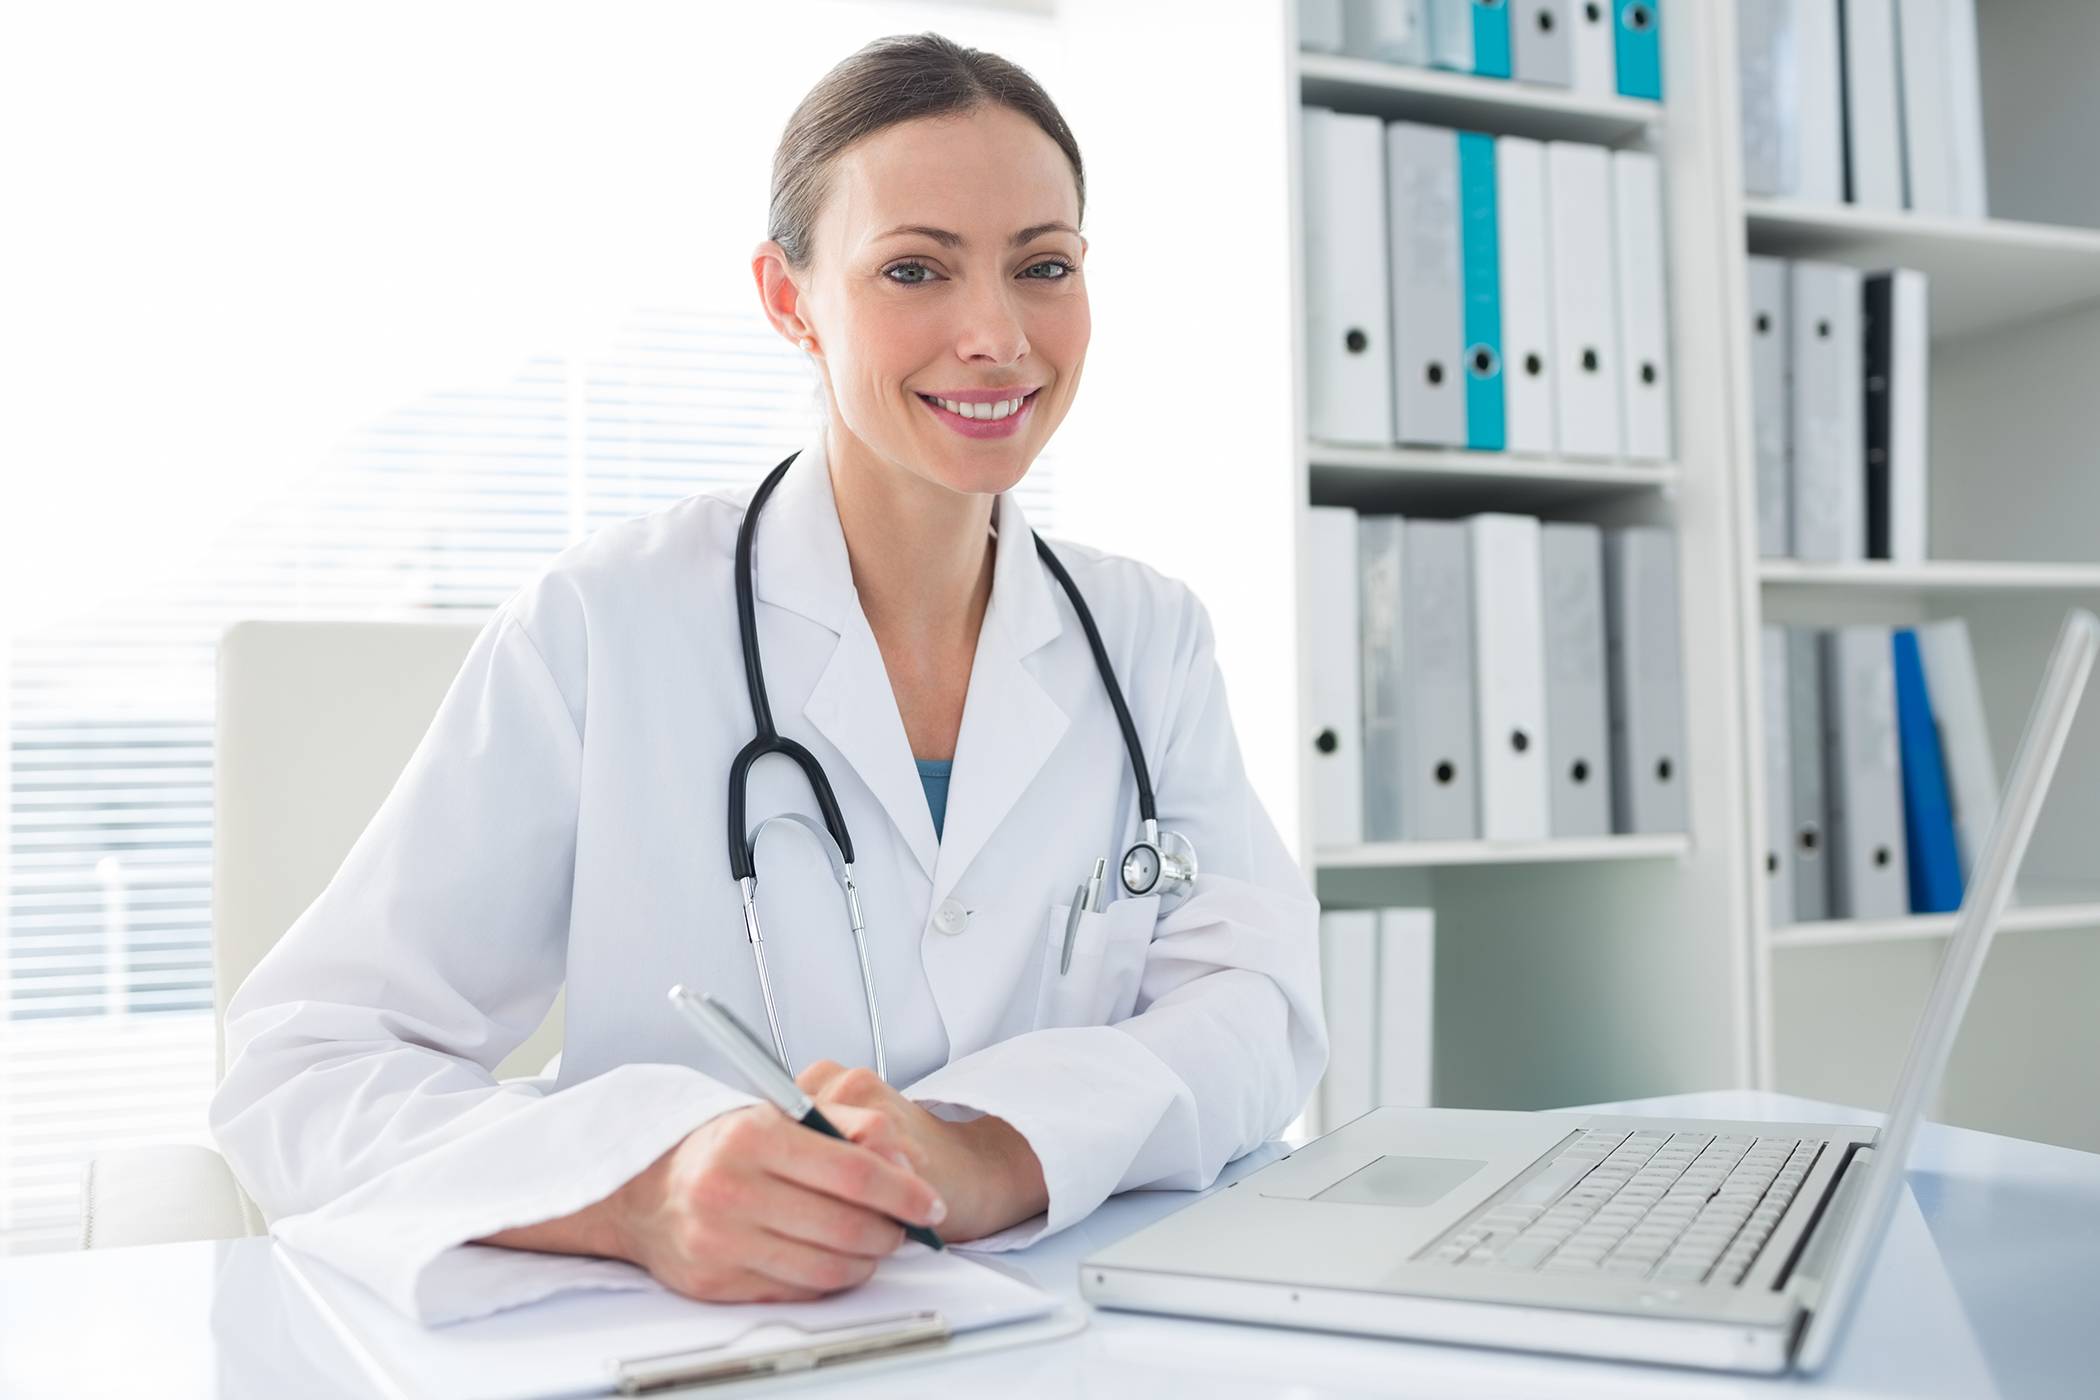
x=1983 y=1288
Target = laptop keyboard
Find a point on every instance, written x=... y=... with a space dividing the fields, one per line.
x=1674 y=1207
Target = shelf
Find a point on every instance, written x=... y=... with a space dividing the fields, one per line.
x=1833 y=933
x=1397 y=855
x=1987 y=274
x=1936 y=577
x=1343 y=475
x=1393 y=91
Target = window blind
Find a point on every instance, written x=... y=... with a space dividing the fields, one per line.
x=447 y=505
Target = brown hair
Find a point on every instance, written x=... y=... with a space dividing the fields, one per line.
x=897 y=79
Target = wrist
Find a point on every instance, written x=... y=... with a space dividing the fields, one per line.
x=1012 y=1171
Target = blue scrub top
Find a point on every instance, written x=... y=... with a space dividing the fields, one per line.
x=933 y=776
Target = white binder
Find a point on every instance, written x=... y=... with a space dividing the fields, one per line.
x=1541 y=41
x=1869 y=876
x=1349 y=987
x=1820 y=125
x=1805 y=728
x=1440 y=779
x=1646 y=680
x=1829 y=446
x=1527 y=295
x=1770 y=83
x=1349 y=364
x=1406 y=1006
x=1593 y=61
x=1928 y=115
x=1320 y=26
x=1428 y=325
x=1779 y=778
x=1898 y=356
x=1873 y=118
x=1391 y=31
x=1768 y=405
x=1451 y=34
x=1509 y=679
x=1336 y=740
x=1578 y=714
x=1965 y=110
x=1379 y=539
x=1965 y=740
x=1644 y=328
x=1585 y=299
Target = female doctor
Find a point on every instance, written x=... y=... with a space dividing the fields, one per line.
x=563 y=821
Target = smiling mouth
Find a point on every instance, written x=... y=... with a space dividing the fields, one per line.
x=976 y=412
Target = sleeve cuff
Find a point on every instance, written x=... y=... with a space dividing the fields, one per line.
x=403 y=1233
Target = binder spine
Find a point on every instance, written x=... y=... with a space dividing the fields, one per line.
x=1876 y=311
x=1928 y=816
x=1451 y=34
x=1539 y=37
x=1480 y=252
x=1491 y=38
x=1638 y=48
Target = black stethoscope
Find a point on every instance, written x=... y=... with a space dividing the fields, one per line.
x=1156 y=863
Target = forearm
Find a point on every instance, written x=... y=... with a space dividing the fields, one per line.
x=593 y=1230
x=1012 y=1188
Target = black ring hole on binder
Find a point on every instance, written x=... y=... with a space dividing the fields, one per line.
x=1485 y=363
x=1881 y=857
x=1809 y=839
x=1639 y=18
x=1764 y=323
x=1356 y=340
x=1581 y=771
x=1589 y=360
x=1533 y=365
x=1519 y=740
x=1663 y=769
x=1445 y=772
x=1545 y=21
x=1593 y=12
x=1771 y=862
x=1435 y=372
x=1822 y=330
x=1648 y=375
x=1327 y=741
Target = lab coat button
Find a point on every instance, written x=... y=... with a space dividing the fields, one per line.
x=951 y=917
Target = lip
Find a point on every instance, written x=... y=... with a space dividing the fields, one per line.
x=1010 y=391
x=983 y=427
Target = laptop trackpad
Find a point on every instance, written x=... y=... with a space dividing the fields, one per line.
x=1401 y=1181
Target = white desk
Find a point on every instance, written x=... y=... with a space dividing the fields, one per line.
x=1985 y=1287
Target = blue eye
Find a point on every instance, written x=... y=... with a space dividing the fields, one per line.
x=1065 y=269
x=908 y=267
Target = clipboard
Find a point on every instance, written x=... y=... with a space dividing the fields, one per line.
x=646 y=1340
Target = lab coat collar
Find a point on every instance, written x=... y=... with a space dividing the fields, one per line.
x=1010 y=723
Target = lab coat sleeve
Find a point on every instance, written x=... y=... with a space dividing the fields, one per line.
x=1228 y=1037
x=359 y=1107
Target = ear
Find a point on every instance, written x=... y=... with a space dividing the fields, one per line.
x=779 y=295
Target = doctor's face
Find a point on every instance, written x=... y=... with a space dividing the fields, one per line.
x=947 y=263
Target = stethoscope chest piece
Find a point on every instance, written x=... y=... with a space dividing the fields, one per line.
x=1161 y=863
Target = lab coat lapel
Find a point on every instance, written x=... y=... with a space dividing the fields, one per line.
x=799 y=561
x=1010 y=723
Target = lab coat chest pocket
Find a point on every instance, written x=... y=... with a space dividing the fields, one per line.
x=1100 y=986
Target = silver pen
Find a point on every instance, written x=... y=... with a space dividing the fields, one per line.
x=1064 y=959
x=721 y=1029
x=1094 y=883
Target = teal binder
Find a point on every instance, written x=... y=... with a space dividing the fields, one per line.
x=1638 y=48
x=1480 y=270
x=1491 y=38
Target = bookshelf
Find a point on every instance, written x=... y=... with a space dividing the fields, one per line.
x=1646 y=966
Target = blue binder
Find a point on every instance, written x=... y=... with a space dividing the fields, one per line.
x=1491 y=38
x=1928 y=817
x=1638 y=48
x=1480 y=268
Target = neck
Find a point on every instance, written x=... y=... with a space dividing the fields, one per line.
x=921 y=554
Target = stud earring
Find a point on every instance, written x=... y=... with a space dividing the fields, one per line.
x=806 y=343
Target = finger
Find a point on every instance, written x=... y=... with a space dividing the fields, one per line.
x=870 y=1128
x=856 y=1175
x=802 y=1265
x=817 y=1075
x=738 y=1286
x=860 y=1085
x=824 y=1221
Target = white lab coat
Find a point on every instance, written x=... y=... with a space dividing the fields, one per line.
x=564 y=822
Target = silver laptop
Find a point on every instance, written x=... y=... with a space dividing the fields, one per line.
x=1735 y=1246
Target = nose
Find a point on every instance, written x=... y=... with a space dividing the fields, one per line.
x=991 y=331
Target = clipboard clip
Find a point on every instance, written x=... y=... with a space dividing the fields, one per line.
x=643 y=1375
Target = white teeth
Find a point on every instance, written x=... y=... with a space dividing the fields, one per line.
x=984 y=411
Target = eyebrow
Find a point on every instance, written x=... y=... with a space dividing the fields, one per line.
x=948 y=239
